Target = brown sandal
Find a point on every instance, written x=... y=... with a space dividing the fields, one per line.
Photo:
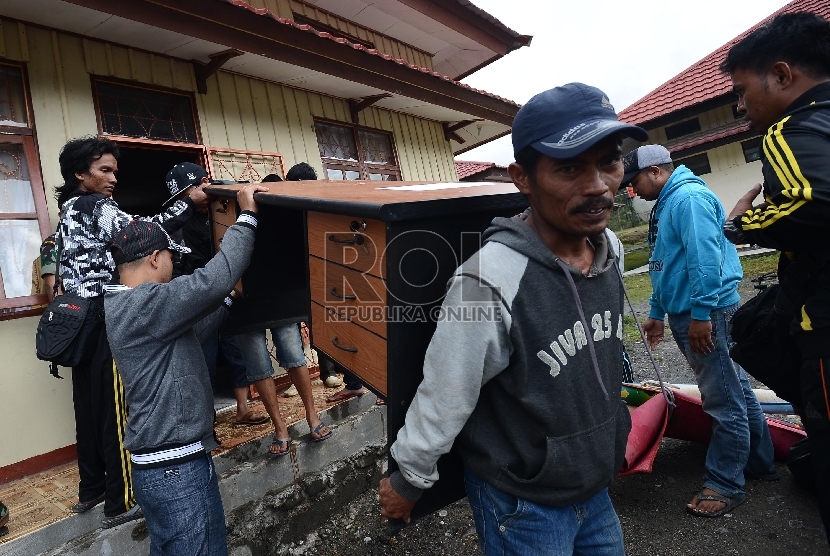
x=345 y=394
x=251 y=418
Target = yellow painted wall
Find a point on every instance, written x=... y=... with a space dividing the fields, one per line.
x=237 y=113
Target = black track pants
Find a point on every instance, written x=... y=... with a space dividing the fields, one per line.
x=815 y=391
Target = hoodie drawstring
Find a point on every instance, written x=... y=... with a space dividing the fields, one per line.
x=584 y=324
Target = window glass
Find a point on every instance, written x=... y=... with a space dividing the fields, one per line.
x=683 y=128
x=15 y=188
x=698 y=164
x=12 y=97
x=146 y=114
x=336 y=141
x=376 y=147
x=19 y=247
x=352 y=175
x=334 y=174
x=752 y=149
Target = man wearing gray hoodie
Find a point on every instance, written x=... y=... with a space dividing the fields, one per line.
x=533 y=402
x=156 y=326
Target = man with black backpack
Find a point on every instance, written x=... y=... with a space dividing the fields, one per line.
x=781 y=74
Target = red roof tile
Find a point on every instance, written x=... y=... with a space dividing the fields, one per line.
x=707 y=136
x=373 y=51
x=467 y=168
x=703 y=80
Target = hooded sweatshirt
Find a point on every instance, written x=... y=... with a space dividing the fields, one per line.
x=156 y=332
x=527 y=386
x=693 y=267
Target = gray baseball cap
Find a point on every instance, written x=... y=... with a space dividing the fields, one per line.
x=644 y=157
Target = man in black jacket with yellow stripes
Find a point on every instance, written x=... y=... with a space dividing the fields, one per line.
x=781 y=74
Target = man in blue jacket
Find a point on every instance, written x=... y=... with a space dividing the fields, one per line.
x=695 y=274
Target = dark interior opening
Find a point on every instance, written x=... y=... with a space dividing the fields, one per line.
x=141 y=188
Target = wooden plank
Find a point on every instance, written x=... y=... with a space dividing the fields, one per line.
x=97 y=63
x=279 y=117
x=341 y=110
x=262 y=115
x=12 y=42
x=309 y=137
x=315 y=105
x=214 y=116
x=24 y=42
x=78 y=87
x=59 y=75
x=2 y=40
x=421 y=160
x=285 y=9
x=142 y=67
x=442 y=172
x=174 y=77
x=403 y=147
x=230 y=110
x=328 y=107
x=110 y=60
x=186 y=76
x=250 y=127
x=161 y=71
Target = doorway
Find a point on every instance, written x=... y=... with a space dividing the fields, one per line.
x=142 y=173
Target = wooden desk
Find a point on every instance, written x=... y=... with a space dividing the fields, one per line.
x=368 y=262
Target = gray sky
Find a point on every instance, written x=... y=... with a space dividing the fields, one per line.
x=627 y=49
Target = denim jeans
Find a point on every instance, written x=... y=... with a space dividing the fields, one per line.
x=183 y=508
x=287 y=341
x=510 y=526
x=740 y=434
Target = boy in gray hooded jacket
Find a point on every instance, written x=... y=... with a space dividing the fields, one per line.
x=156 y=326
x=532 y=398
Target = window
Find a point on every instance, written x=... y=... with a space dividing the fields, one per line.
x=735 y=112
x=145 y=113
x=752 y=149
x=352 y=153
x=698 y=164
x=681 y=129
x=24 y=221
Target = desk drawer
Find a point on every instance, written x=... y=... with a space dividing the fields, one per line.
x=223 y=212
x=359 y=350
x=330 y=237
x=357 y=297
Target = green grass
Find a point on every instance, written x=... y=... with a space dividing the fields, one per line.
x=755 y=266
x=632 y=237
x=639 y=287
x=630 y=332
x=635 y=259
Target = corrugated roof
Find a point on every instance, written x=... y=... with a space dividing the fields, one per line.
x=703 y=80
x=373 y=51
x=467 y=168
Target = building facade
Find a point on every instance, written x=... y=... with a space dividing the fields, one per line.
x=694 y=115
x=358 y=91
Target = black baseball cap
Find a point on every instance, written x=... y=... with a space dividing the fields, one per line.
x=181 y=177
x=565 y=121
x=138 y=239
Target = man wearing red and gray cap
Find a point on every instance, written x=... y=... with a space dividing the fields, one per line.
x=155 y=326
x=531 y=399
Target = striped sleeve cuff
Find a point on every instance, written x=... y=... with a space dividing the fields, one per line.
x=247 y=219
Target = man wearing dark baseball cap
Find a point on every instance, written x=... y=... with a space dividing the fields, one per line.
x=695 y=274
x=155 y=327
x=535 y=409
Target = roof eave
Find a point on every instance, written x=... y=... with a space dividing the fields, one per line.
x=224 y=23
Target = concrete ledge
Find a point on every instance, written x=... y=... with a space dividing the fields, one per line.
x=254 y=488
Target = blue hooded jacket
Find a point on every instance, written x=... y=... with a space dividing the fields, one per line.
x=693 y=267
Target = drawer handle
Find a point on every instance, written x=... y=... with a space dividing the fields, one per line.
x=344 y=348
x=335 y=294
x=347 y=241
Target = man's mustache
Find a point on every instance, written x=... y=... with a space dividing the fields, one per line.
x=594 y=204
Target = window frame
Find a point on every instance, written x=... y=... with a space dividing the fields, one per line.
x=758 y=143
x=698 y=155
x=95 y=79
x=29 y=305
x=364 y=168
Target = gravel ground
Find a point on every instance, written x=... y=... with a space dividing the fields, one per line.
x=778 y=518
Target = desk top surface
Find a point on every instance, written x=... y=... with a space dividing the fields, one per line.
x=386 y=201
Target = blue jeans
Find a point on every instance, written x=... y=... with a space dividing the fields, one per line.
x=183 y=508
x=740 y=434
x=510 y=526
x=289 y=346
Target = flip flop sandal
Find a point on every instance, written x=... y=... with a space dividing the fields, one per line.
x=317 y=431
x=250 y=419
x=4 y=517
x=82 y=507
x=279 y=442
x=130 y=515
x=345 y=394
x=731 y=504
